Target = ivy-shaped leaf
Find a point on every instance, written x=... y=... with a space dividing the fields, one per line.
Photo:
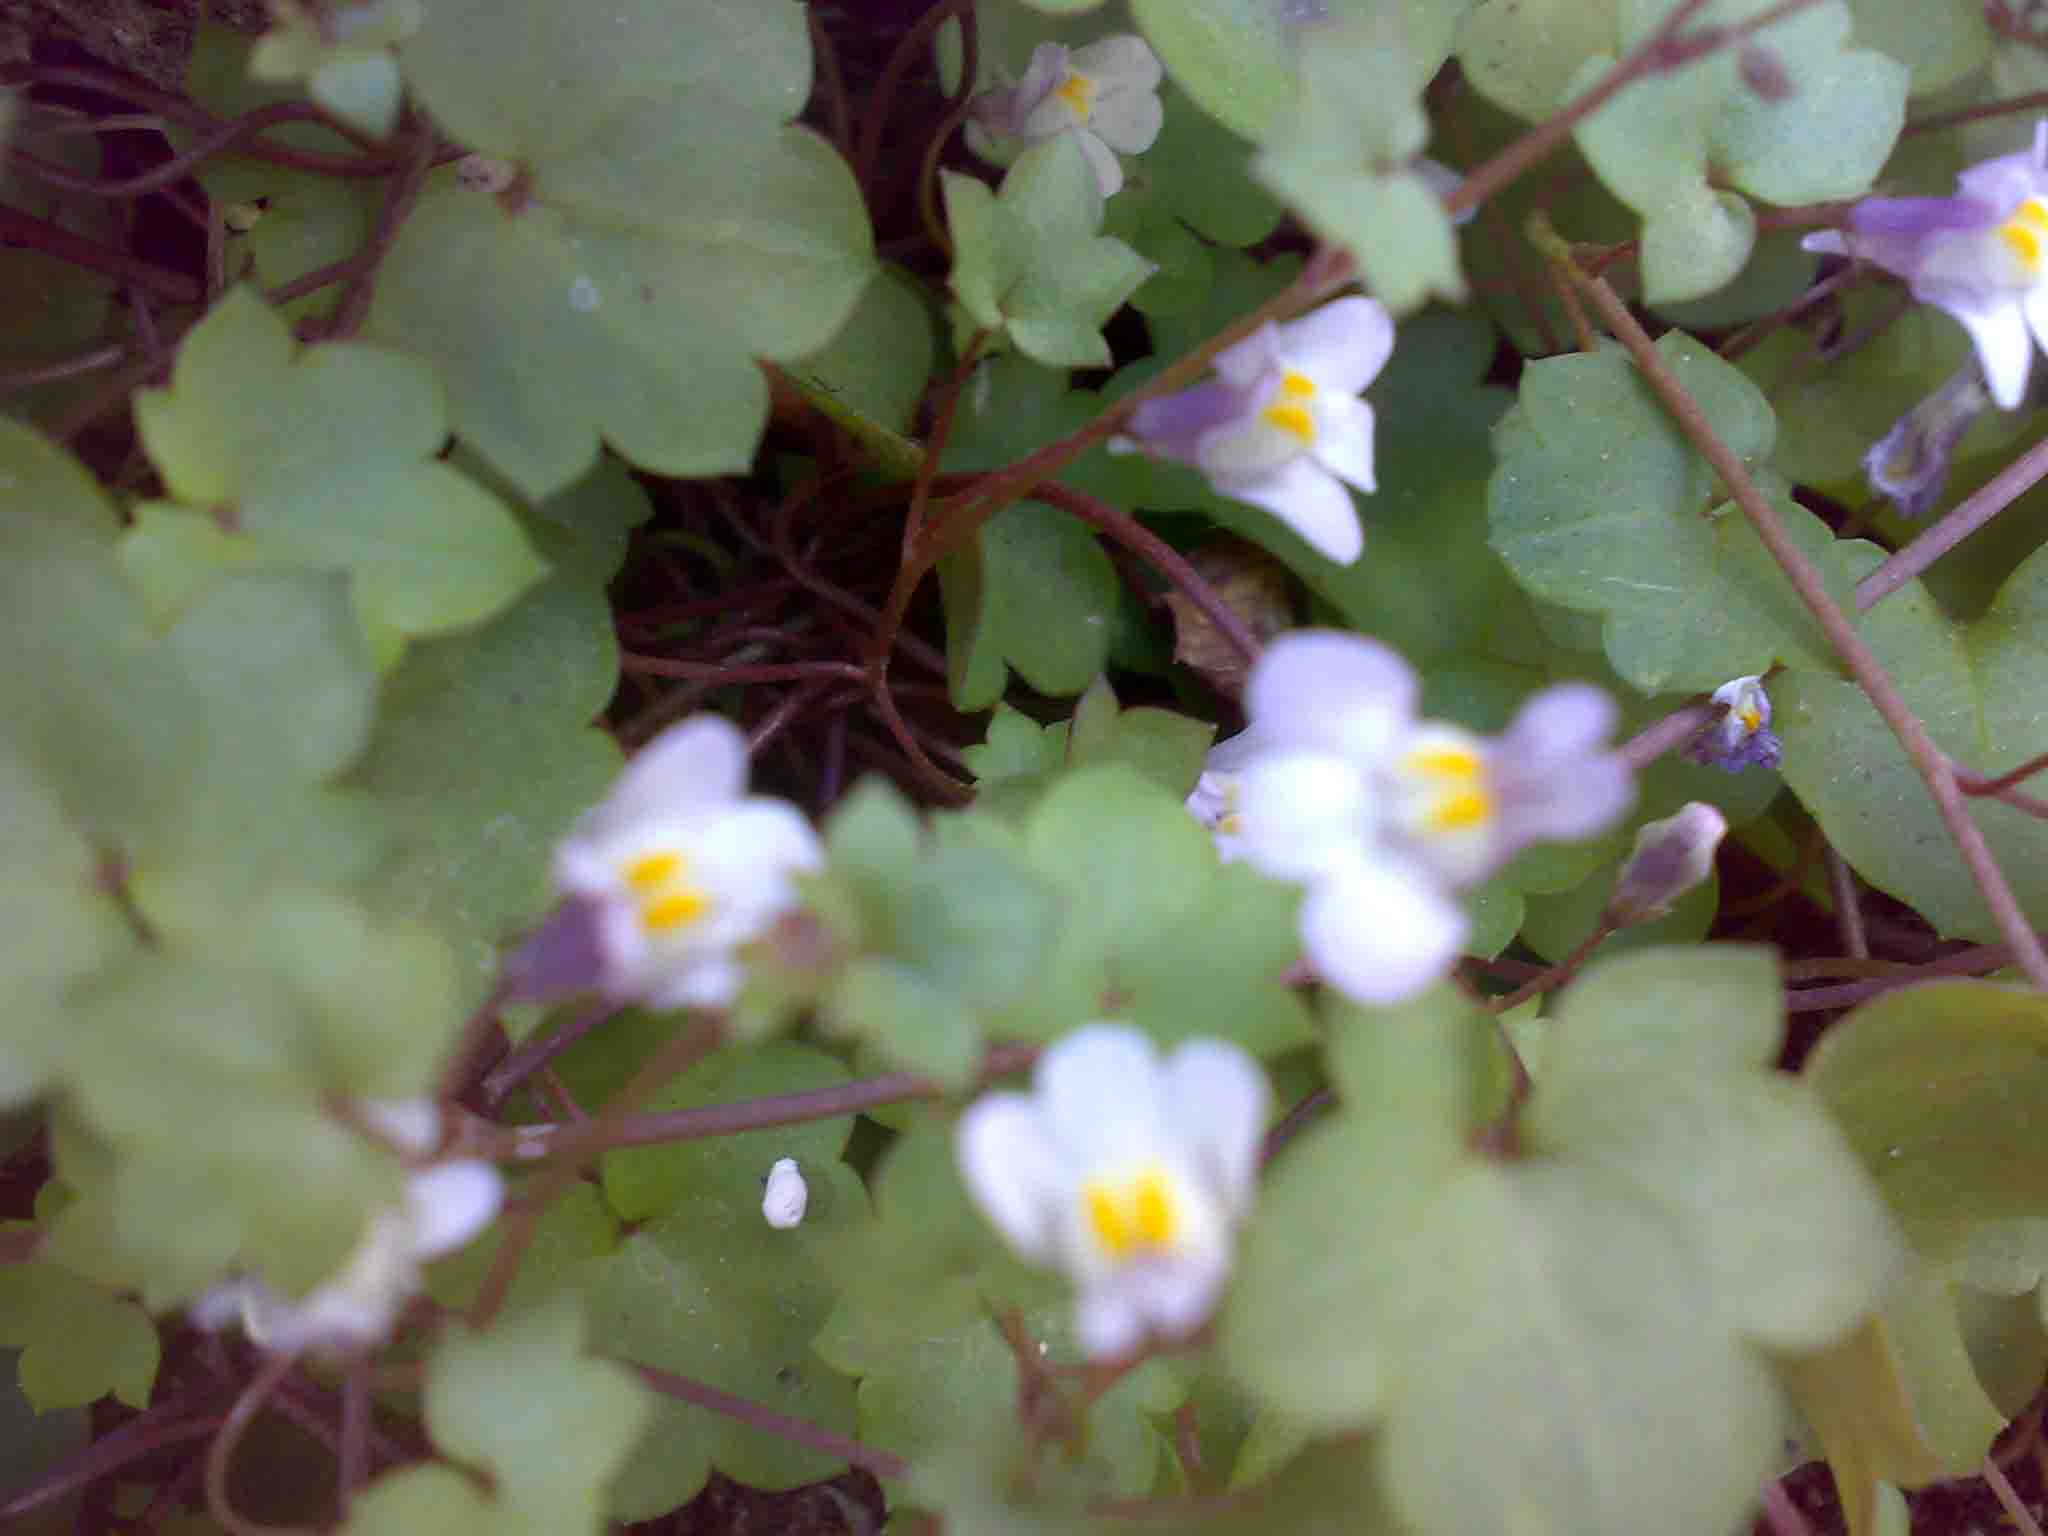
x=1599 y=503
x=1632 y=1247
x=664 y=227
x=322 y=457
x=1028 y=263
x=78 y=1343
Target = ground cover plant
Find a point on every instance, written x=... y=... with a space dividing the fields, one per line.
x=1074 y=766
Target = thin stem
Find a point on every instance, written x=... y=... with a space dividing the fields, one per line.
x=1659 y=53
x=18 y=228
x=720 y=672
x=2005 y=794
x=2014 y=1506
x=1781 y=1514
x=1848 y=908
x=1557 y=975
x=576 y=1149
x=2025 y=771
x=1982 y=505
x=799 y=1431
x=536 y=1053
x=1975 y=962
x=1674 y=730
x=1936 y=121
x=69 y=368
x=399 y=201
x=529 y=1143
x=901 y=62
x=1870 y=674
x=1162 y=557
x=190 y=1417
x=267 y=1379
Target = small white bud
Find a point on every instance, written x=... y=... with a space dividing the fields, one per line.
x=782 y=1205
x=1670 y=858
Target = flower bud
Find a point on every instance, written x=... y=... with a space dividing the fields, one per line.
x=1670 y=858
x=783 y=1203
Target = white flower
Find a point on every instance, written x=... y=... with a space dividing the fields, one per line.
x=1982 y=255
x=1742 y=737
x=786 y=1197
x=443 y=1207
x=1129 y=1173
x=1335 y=784
x=679 y=866
x=1282 y=425
x=1670 y=857
x=1106 y=95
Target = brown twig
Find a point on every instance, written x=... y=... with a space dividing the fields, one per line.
x=1977 y=509
x=802 y=1432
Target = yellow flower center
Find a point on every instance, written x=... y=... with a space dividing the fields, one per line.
x=1290 y=410
x=1078 y=92
x=2022 y=233
x=1456 y=798
x=661 y=883
x=1139 y=1212
x=1752 y=719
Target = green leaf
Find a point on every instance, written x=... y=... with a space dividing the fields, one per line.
x=78 y=1343
x=668 y=228
x=1599 y=503
x=1028 y=262
x=1521 y=54
x=352 y=75
x=1166 y=748
x=327 y=457
x=1233 y=57
x=1933 y=1086
x=714 y=1256
x=484 y=752
x=1593 y=1255
x=646 y=1181
x=1034 y=591
x=546 y=1448
x=1199 y=172
x=1338 y=155
x=877 y=364
x=1666 y=142
x=1978 y=688
x=1940 y=42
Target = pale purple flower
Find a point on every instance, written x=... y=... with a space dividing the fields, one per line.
x=1128 y=1172
x=669 y=875
x=1282 y=425
x=1981 y=255
x=443 y=1206
x=1670 y=857
x=1106 y=95
x=1385 y=818
x=1742 y=737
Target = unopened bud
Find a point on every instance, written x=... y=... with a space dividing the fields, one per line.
x=1910 y=463
x=1670 y=858
x=783 y=1203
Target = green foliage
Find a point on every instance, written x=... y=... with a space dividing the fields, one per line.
x=712 y=1255
x=323 y=459
x=352 y=75
x=1339 y=155
x=544 y=1452
x=1600 y=504
x=1505 y=1273
x=1028 y=265
x=666 y=227
x=77 y=1342
x=1978 y=688
x=1656 y=143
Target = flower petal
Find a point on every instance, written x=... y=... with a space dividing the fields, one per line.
x=1310 y=500
x=450 y=1203
x=1125 y=61
x=1102 y=160
x=2005 y=350
x=1099 y=1091
x=1171 y=426
x=1245 y=364
x=1327 y=687
x=1219 y=1099
x=1128 y=120
x=694 y=765
x=699 y=980
x=1301 y=812
x=1343 y=345
x=1344 y=443
x=1013 y=1172
x=1107 y=1322
x=1381 y=930
x=2035 y=306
